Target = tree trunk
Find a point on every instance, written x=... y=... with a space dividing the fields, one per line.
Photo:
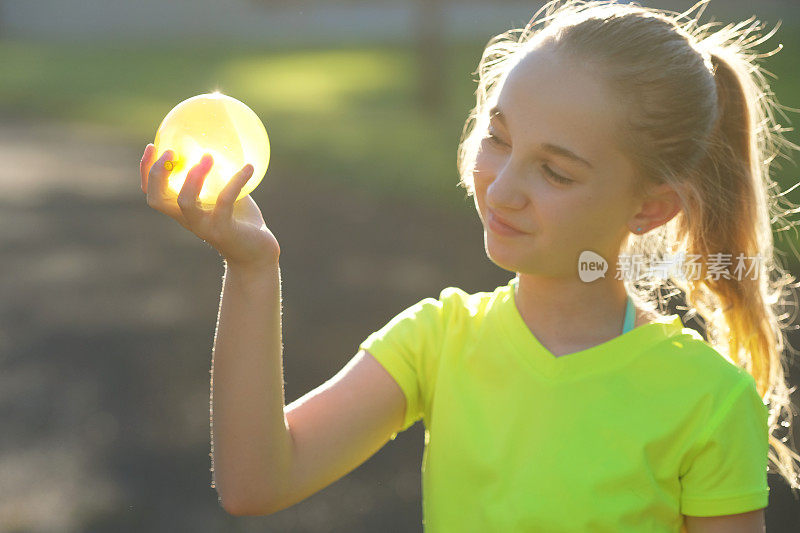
x=431 y=54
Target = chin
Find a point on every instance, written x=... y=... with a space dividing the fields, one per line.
x=524 y=259
x=505 y=256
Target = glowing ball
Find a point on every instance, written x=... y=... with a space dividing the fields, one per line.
x=218 y=125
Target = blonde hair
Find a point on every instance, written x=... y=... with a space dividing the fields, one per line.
x=699 y=118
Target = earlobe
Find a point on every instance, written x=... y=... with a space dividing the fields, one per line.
x=671 y=203
x=659 y=206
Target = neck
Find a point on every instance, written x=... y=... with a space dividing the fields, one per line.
x=552 y=307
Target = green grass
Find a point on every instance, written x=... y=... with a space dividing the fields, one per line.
x=345 y=113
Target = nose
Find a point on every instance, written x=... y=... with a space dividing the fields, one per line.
x=505 y=191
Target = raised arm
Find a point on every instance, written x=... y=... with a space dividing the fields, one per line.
x=251 y=444
x=339 y=425
x=266 y=456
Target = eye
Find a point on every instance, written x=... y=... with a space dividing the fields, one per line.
x=492 y=138
x=557 y=177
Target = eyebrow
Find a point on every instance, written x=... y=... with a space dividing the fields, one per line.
x=547 y=147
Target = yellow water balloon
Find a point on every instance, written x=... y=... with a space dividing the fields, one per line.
x=221 y=126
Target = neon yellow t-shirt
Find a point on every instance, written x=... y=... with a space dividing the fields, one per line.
x=625 y=436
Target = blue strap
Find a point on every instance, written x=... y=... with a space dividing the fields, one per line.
x=630 y=315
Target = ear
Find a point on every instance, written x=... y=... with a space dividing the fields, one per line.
x=656 y=207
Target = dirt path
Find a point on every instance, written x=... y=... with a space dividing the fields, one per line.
x=108 y=316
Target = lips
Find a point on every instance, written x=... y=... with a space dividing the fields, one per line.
x=493 y=216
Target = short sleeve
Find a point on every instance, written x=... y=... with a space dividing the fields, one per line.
x=727 y=473
x=408 y=347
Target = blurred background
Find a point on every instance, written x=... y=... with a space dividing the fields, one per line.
x=109 y=307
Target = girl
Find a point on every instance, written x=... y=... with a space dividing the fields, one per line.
x=608 y=144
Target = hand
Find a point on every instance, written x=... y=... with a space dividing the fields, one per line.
x=236 y=229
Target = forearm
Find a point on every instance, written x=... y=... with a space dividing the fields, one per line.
x=251 y=444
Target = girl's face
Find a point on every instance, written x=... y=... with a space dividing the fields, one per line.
x=563 y=204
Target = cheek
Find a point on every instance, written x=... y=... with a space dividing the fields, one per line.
x=482 y=176
x=483 y=171
x=595 y=220
x=570 y=215
x=489 y=158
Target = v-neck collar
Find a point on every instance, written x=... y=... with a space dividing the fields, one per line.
x=592 y=360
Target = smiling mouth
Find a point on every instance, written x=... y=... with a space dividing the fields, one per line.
x=502 y=229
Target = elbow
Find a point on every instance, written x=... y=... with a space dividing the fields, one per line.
x=241 y=509
x=249 y=507
x=231 y=506
x=253 y=498
x=237 y=510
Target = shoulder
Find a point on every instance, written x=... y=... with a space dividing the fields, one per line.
x=702 y=380
x=455 y=302
x=437 y=312
x=690 y=375
x=687 y=351
x=459 y=300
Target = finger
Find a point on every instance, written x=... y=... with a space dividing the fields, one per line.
x=145 y=164
x=223 y=210
x=156 y=189
x=157 y=179
x=188 y=197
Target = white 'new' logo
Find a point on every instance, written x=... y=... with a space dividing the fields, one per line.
x=591 y=266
